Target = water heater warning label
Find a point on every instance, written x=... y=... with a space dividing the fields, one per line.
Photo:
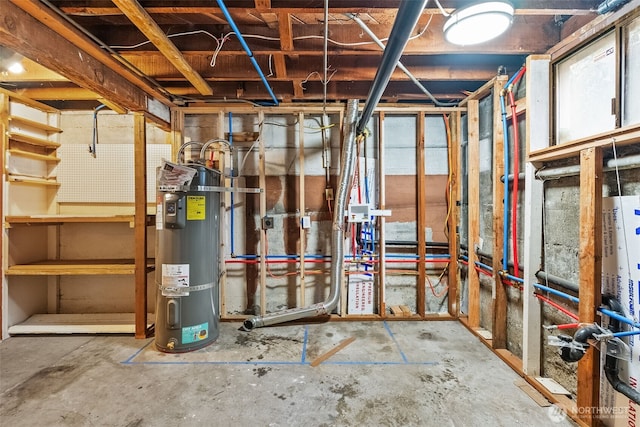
x=195 y=333
x=196 y=208
x=175 y=279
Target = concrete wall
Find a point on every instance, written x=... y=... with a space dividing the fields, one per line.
x=282 y=169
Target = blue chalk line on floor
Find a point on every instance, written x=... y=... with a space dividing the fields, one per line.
x=130 y=360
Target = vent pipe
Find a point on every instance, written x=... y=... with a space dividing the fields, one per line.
x=337 y=237
x=406 y=19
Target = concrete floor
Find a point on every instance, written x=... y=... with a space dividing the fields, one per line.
x=394 y=374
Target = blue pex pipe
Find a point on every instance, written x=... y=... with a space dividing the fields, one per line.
x=617 y=316
x=556 y=292
x=513 y=278
x=485 y=266
x=626 y=333
x=505 y=221
x=245 y=46
x=232 y=200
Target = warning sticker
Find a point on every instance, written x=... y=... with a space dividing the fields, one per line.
x=196 y=206
x=195 y=333
x=159 y=214
x=175 y=279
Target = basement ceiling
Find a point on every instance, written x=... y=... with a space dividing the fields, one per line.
x=196 y=57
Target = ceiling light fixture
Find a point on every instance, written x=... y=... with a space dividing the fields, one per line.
x=16 y=68
x=478 y=23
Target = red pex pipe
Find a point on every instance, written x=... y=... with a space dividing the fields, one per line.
x=373 y=261
x=516 y=172
x=557 y=306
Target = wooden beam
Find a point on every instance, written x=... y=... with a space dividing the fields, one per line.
x=24 y=34
x=382 y=190
x=454 y=191
x=53 y=21
x=422 y=214
x=4 y=241
x=301 y=206
x=594 y=28
x=500 y=301
x=140 y=223
x=590 y=258
x=473 y=185
x=286 y=32
x=280 y=66
x=143 y=21
x=624 y=136
x=525 y=8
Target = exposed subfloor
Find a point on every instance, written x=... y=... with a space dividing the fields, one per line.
x=409 y=373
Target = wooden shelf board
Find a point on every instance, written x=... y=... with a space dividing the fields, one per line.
x=33 y=140
x=34 y=124
x=18 y=179
x=36 y=156
x=28 y=101
x=95 y=323
x=60 y=219
x=76 y=268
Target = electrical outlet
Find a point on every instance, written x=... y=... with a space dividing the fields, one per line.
x=328 y=193
x=267 y=222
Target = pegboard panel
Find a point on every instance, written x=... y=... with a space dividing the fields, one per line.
x=107 y=178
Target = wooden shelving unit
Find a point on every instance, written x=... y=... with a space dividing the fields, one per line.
x=33 y=263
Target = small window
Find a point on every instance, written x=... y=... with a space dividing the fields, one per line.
x=585 y=88
x=631 y=82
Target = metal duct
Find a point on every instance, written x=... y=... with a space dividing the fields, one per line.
x=609 y=5
x=404 y=69
x=337 y=237
x=406 y=19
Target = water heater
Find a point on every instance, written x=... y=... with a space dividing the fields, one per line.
x=187 y=267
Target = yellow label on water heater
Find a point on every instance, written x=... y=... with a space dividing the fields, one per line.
x=196 y=208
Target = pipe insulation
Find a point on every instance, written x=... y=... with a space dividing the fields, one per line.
x=621 y=163
x=337 y=236
x=404 y=69
x=406 y=19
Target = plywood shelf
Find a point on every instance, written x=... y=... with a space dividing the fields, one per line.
x=19 y=179
x=96 y=323
x=34 y=124
x=61 y=219
x=35 y=156
x=32 y=140
x=69 y=219
x=76 y=268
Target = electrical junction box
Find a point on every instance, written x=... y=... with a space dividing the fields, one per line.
x=267 y=223
x=306 y=222
x=358 y=213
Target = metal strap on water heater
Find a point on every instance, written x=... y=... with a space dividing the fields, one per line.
x=207 y=188
x=187 y=288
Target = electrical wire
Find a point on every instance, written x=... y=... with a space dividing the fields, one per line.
x=447 y=191
x=624 y=226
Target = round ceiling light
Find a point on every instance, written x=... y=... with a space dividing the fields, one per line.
x=478 y=23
